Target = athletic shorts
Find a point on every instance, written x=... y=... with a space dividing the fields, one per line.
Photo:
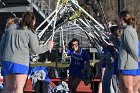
x=13 y=68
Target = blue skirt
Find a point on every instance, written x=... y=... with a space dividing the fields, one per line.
x=135 y=72
x=13 y=68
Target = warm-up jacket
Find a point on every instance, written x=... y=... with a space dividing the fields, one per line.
x=128 y=53
x=16 y=44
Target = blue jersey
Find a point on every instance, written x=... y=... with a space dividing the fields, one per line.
x=108 y=58
x=37 y=68
x=77 y=63
x=105 y=53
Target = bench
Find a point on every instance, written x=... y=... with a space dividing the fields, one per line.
x=82 y=88
x=28 y=87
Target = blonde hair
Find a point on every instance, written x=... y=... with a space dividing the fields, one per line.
x=9 y=22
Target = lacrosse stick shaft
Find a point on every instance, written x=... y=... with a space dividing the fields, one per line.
x=73 y=1
x=46 y=19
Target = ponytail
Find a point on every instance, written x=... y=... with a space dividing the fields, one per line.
x=28 y=19
x=127 y=18
x=132 y=21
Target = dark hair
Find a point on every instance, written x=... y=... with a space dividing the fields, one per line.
x=116 y=31
x=128 y=19
x=27 y=20
x=114 y=28
x=73 y=40
x=17 y=20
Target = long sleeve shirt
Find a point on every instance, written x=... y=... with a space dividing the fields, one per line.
x=128 y=53
x=16 y=44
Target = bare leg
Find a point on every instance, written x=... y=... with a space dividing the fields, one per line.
x=9 y=81
x=121 y=84
x=128 y=81
x=136 y=84
x=100 y=87
x=4 y=83
x=20 y=80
